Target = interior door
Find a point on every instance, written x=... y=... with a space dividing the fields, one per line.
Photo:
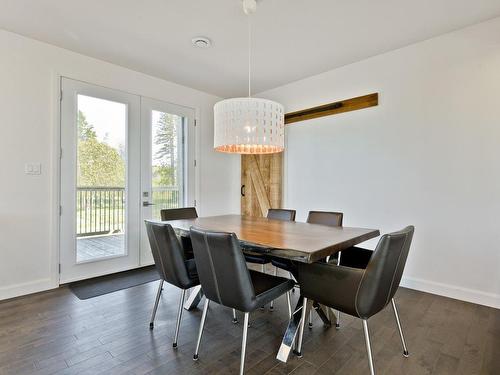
x=100 y=181
x=261 y=183
x=168 y=162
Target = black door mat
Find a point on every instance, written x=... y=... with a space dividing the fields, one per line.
x=98 y=286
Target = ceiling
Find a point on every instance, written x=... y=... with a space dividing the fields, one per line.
x=292 y=39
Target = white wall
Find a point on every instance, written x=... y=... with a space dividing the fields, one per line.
x=28 y=122
x=428 y=155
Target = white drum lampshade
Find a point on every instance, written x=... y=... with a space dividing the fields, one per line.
x=249 y=126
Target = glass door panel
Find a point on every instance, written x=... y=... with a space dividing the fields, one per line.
x=101 y=172
x=167 y=161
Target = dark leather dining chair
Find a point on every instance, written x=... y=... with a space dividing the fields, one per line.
x=281 y=214
x=185 y=213
x=329 y=218
x=356 y=257
x=333 y=219
x=179 y=214
x=361 y=293
x=171 y=264
x=256 y=258
x=226 y=280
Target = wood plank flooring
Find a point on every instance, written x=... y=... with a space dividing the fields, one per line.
x=56 y=333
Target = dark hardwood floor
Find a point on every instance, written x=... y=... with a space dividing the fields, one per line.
x=56 y=333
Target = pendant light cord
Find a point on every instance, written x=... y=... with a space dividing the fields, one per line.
x=249 y=57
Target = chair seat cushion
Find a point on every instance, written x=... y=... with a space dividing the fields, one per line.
x=187 y=246
x=268 y=288
x=330 y=285
x=255 y=254
x=285 y=264
x=255 y=258
x=191 y=270
x=355 y=257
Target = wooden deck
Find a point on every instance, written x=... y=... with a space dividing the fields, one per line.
x=96 y=247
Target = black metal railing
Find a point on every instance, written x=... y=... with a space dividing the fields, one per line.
x=101 y=210
x=165 y=197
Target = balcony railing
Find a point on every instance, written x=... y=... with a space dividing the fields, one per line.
x=101 y=210
x=165 y=197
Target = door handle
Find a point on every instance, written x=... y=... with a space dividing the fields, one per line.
x=146 y=204
x=242 y=190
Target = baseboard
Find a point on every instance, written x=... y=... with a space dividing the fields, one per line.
x=446 y=290
x=451 y=291
x=34 y=286
x=42 y=285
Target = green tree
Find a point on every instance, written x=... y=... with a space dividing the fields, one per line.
x=163 y=175
x=165 y=171
x=98 y=163
x=85 y=130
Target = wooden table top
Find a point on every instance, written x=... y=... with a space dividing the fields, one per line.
x=285 y=239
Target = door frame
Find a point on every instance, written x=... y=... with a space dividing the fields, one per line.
x=55 y=167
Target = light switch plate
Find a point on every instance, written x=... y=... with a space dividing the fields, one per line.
x=33 y=168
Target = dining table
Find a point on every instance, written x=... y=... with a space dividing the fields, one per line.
x=296 y=241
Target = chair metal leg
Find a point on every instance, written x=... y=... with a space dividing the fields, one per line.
x=263 y=270
x=289 y=305
x=337 y=312
x=290 y=276
x=244 y=343
x=301 y=328
x=310 y=319
x=202 y=325
x=179 y=316
x=396 y=315
x=158 y=294
x=271 y=305
x=318 y=308
x=368 y=346
x=235 y=319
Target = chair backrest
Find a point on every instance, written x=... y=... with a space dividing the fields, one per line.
x=223 y=273
x=381 y=277
x=167 y=253
x=332 y=219
x=281 y=214
x=178 y=213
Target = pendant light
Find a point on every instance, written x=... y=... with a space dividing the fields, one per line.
x=249 y=125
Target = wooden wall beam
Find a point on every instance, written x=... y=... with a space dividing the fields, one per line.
x=347 y=105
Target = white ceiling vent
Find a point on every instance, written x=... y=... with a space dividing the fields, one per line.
x=201 y=42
